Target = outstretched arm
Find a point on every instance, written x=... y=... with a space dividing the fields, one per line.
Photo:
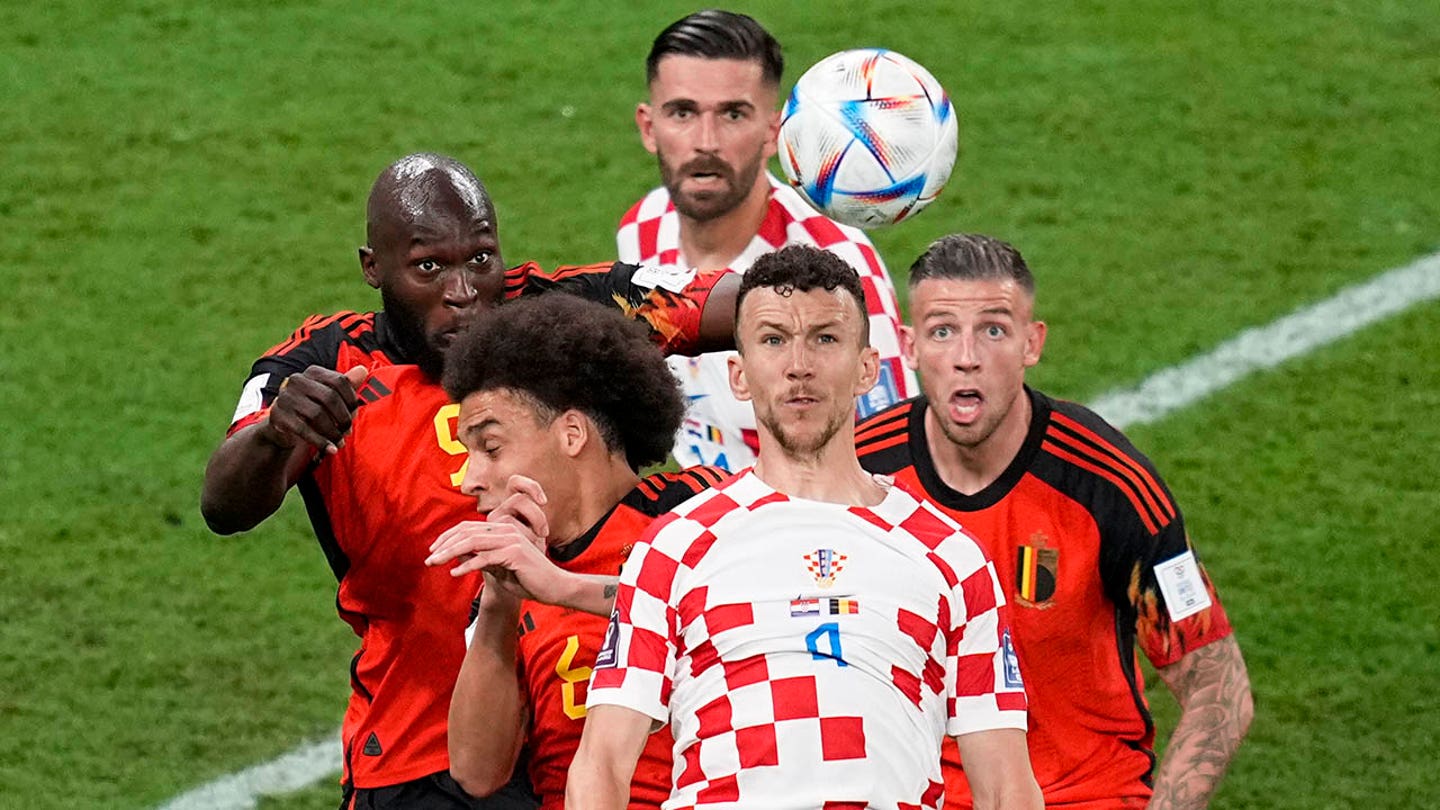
x=1213 y=689
x=250 y=472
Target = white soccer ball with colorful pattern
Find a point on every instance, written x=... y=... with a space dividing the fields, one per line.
x=868 y=136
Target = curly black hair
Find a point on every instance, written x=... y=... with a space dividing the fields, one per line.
x=563 y=352
x=803 y=268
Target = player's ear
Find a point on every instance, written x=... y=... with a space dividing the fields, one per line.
x=574 y=430
x=738 y=384
x=869 y=370
x=368 y=268
x=772 y=134
x=645 y=122
x=907 y=346
x=1034 y=342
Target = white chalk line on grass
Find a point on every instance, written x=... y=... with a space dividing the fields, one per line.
x=1263 y=347
x=289 y=772
x=1167 y=390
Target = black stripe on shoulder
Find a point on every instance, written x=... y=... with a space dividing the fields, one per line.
x=882 y=441
x=659 y=493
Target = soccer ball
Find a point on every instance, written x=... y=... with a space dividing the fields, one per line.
x=868 y=136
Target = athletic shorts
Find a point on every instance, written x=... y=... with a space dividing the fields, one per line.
x=439 y=791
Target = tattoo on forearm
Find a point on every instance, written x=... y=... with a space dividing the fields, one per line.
x=610 y=590
x=1213 y=690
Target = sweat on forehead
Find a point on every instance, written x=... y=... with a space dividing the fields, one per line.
x=421 y=184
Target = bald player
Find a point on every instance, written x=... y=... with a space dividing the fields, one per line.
x=350 y=410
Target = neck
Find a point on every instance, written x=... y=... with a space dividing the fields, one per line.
x=832 y=475
x=967 y=469
x=715 y=244
x=603 y=485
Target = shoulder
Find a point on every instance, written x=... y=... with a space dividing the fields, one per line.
x=660 y=493
x=805 y=225
x=1083 y=453
x=637 y=235
x=944 y=542
x=882 y=441
x=324 y=334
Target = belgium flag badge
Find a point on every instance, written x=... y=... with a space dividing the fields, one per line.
x=1037 y=569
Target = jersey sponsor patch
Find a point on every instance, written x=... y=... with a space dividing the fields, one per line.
x=252 y=397
x=670 y=278
x=1011 y=663
x=605 y=659
x=1182 y=586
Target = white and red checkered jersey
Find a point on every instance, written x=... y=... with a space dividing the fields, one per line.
x=809 y=654
x=719 y=429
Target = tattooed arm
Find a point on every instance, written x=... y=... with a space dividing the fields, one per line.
x=1213 y=690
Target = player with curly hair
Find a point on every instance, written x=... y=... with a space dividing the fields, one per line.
x=561 y=403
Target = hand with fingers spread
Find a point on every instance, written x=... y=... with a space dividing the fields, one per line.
x=314 y=407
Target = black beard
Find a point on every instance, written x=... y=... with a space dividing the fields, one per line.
x=714 y=205
x=409 y=333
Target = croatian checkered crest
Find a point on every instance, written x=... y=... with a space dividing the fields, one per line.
x=868 y=136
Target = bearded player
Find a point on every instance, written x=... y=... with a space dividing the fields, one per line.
x=808 y=632
x=711 y=120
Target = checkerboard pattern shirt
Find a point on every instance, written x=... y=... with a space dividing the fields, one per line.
x=783 y=692
x=719 y=429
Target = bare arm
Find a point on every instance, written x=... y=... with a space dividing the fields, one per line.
x=487 y=709
x=1213 y=689
x=997 y=764
x=717 y=320
x=250 y=472
x=610 y=745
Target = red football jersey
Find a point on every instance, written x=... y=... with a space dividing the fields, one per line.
x=1076 y=527
x=557 y=646
x=384 y=498
x=378 y=504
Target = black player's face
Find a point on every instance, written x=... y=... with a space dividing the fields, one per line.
x=505 y=435
x=971 y=342
x=803 y=362
x=711 y=124
x=436 y=267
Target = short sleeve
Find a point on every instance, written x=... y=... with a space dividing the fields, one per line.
x=636 y=661
x=292 y=356
x=986 y=688
x=668 y=301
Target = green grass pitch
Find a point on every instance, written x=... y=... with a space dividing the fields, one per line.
x=182 y=183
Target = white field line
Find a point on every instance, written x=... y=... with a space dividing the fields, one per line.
x=1263 y=347
x=1166 y=390
x=289 y=772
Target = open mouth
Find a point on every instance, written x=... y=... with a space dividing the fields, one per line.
x=965 y=404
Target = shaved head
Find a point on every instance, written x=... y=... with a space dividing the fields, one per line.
x=421 y=186
x=433 y=251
